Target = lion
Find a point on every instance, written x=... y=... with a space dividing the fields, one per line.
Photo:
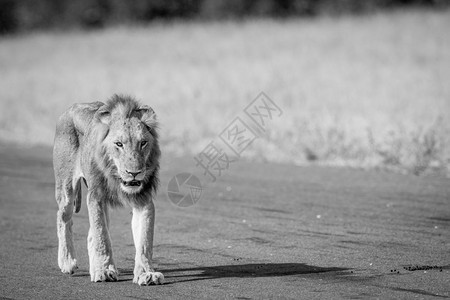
x=114 y=149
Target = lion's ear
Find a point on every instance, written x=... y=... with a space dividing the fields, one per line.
x=148 y=116
x=103 y=115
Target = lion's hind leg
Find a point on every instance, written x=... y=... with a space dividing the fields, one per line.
x=67 y=188
x=65 y=196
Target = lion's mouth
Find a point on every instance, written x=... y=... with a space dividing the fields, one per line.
x=131 y=183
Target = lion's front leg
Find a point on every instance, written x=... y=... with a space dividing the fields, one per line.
x=101 y=264
x=143 y=226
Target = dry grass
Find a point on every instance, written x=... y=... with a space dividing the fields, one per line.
x=368 y=91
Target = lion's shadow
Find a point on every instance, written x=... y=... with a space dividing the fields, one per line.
x=177 y=275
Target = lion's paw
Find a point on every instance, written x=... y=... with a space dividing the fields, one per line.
x=105 y=275
x=149 y=278
x=68 y=266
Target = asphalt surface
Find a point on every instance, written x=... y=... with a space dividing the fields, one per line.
x=261 y=231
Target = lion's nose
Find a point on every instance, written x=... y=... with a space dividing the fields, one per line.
x=134 y=174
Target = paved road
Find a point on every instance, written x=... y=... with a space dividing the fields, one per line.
x=261 y=231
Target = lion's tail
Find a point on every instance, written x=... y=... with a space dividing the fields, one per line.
x=77 y=195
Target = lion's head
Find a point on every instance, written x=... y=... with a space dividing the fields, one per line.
x=128 y=152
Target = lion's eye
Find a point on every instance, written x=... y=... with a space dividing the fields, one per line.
x=143 y=143
x=119 y=144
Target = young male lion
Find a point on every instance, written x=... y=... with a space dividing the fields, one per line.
x=114 y=148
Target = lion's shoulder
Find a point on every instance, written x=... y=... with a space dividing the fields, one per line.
x=83 y=115
x=78 y=118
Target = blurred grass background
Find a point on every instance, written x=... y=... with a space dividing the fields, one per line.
x=369 y=90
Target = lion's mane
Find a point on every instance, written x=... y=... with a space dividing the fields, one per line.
x=104 y=183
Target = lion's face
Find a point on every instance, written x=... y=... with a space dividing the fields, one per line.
x=129 y=145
